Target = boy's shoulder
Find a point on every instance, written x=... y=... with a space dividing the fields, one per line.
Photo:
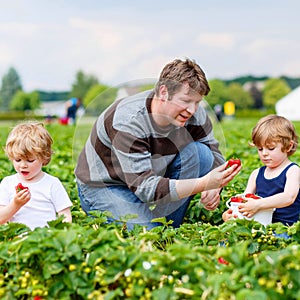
x=50 y=178
x=293 y=167
x=9 y=178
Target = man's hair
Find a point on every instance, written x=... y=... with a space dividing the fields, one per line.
x=178 y=72
x=275 y=129
x=27 y=140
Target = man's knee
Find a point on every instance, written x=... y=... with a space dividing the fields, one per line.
x=200 y=155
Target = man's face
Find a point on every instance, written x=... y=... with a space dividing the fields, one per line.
x=183 y=104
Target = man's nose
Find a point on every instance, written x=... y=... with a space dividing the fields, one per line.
x=192 y=108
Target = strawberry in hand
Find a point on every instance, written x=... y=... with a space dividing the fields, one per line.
x=233 y=161
x=20 y=187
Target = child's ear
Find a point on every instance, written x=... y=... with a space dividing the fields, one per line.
x=292 y=143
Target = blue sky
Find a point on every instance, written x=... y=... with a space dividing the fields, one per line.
x=121 y=41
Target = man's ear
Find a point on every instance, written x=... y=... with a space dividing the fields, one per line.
x=163 y=93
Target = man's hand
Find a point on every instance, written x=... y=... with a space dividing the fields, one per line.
x=210 y=199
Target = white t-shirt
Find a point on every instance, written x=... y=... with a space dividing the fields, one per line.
x=48 y=196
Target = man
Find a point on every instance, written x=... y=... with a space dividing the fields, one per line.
x=149 y=153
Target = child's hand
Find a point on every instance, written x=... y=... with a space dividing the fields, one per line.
x=249 y=208
x=227 y=215
x=22 y=197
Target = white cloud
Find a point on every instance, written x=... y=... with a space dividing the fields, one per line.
x=49 y=43
x=217 y=40
x=22 y=30
x=6 y=54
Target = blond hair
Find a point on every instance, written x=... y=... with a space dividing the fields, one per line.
x=27 y=140
x=178 y=72
x=275 y=129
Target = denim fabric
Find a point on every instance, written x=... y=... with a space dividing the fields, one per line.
x=283 y=235
x=195 y=160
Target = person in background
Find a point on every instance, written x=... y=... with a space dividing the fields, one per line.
x=31 y=196
x=72 y=106
x=148 y=154
x=278 y=181
x=218 y=111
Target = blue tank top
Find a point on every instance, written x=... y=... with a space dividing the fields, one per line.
x=268 y=187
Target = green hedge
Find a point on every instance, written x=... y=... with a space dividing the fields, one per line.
x=18 y=115
x=253 y=113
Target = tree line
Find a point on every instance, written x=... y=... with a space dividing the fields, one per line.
x=246 y=92
x=14 y=98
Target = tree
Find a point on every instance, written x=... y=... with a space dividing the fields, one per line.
x=82 y=84
x=239 y=96
x=256 y=95
x=25 y=101
x=273 y=91
x=218 y=93
x=98 y=98
x=11 y=83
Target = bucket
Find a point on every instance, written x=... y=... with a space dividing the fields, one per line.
x=263 y=216
x=235 y=208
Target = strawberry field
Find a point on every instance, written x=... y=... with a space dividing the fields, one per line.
x=203 y=259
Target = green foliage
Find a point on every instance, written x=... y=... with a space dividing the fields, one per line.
x=253 y=113
x=98 y=98
x=83 y=82
x=146 y=87
x=273 y=91
x=53 y=96
x=18 y=115
x=218 y=93
x=244 y=79
x=25 y=101
x=292 y=82
x=241 y=98
x=11 y=83
x=203 y=259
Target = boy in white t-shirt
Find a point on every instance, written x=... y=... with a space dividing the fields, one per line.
x=31 y=196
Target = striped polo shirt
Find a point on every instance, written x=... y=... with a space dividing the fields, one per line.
x=126 y=147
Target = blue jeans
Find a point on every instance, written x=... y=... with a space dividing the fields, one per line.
x=195 y=160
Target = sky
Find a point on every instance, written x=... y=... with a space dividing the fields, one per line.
x=121 y=41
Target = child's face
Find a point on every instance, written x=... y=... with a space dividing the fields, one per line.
x=271 y=154
x=29 y=169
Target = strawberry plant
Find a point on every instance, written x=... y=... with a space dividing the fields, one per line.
x=203 y=259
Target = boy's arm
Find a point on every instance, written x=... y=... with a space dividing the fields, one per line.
x=251 y=184
x=286 y=198
x=8 y=211
x=67 y=214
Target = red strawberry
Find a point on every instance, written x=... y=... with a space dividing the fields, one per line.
x=253 y=196
x=237 y=199
x=233 y=161
x=221 y=260
x=20 y=187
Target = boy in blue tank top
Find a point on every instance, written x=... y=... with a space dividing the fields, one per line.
x=278 y=181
